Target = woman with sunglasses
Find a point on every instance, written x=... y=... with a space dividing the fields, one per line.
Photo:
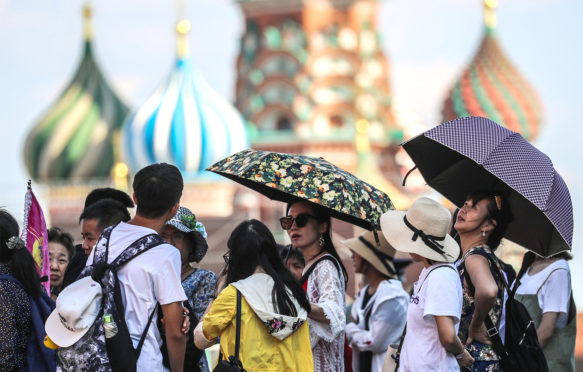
x=274 y=333
x=324 y=280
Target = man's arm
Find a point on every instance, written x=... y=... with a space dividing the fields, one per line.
x=175 y=339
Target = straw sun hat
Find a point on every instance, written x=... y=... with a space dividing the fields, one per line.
x=380 y=256
x=423 y=230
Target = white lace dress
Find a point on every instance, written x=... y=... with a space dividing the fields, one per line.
x=326 y=289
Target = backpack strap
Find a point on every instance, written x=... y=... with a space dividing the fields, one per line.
x=491 y=329
x=328 y=257
x=548 y=277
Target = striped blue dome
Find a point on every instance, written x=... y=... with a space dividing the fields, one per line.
x=185 y=122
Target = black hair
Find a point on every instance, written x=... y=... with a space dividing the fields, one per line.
x=322 y=215
x=107 y=212
x=20 y=261
x=57 y=235
x=108 y=193
x=251 y=244
x=198 y=246
x=157 y=188
x=498 y=210
x=290 y=253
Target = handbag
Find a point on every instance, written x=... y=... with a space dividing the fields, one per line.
x=233 y=364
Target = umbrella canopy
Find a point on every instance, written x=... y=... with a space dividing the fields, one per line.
x=291 y=177
x=474 y=153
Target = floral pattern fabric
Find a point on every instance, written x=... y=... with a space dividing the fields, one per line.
x=284 y=176
x=199 y=287
x=15 y=323
x=480 y=352
x=275 y=324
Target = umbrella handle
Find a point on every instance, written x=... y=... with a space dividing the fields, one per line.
x=408 y=173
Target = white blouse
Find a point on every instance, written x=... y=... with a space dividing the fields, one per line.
x=326 y=289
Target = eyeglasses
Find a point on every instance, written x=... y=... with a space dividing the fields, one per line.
x=176 y=236
x=301 y=220
x=227 y=257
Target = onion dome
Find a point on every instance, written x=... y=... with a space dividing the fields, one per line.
x=492 y=87
x=74 y=139
x=185 y=122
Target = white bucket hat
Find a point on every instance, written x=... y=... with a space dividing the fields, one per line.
x=78 y=305
x=380 y=256
x=423 y=230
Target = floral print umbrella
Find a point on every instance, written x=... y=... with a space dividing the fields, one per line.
x=289 y=177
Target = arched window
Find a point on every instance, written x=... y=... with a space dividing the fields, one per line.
x=283 y=123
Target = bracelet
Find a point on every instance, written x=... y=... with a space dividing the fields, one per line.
x=460 y=355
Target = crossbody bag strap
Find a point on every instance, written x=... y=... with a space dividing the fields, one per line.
x=397 y=358
x=311 y=268
x=238 y=326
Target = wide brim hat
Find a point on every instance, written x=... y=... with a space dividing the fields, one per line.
x=422 y=229
x=378 y=255
x=77 y=308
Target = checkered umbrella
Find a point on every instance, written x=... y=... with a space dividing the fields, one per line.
x=474 y=153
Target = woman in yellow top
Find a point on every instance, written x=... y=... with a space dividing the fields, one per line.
x=274 y=308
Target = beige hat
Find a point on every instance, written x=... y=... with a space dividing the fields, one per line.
x=421 y=230
x=380 y=256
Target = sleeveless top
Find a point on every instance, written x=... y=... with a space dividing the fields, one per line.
x=479 y=351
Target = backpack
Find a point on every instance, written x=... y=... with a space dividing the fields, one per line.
x=38 y=357
x=95 y=352
x=521 y=350
x=192 y=354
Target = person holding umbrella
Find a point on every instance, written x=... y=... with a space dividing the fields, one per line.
x=324 y=280
x=379 y=311
x=431 y=342
x=481 y=224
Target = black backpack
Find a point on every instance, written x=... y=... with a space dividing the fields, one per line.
x=521 y=350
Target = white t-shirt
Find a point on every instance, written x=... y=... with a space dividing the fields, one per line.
x=555 y=293
x=439 y=294
x=153 y=276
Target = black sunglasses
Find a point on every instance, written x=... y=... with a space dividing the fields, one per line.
x=301 y=220
x=227 y=257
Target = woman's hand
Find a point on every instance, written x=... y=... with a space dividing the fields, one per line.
x=480 y=335
x=466 y=359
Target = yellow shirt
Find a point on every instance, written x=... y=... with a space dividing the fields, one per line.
x=258 y=350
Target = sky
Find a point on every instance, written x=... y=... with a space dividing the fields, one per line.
x=427 y=42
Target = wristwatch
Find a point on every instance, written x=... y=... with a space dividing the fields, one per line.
x=460 y=355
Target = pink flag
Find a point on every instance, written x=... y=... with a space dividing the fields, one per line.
x=34 y=234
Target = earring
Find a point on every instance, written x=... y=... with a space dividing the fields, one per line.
x=484 y=233
x=321 y=241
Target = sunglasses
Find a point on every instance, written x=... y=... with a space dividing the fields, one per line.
x=301 y=220
x=227 y=257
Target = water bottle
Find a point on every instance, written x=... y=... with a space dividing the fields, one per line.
x=109 y=326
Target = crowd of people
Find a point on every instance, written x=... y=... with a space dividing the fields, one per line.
x=273 y=309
